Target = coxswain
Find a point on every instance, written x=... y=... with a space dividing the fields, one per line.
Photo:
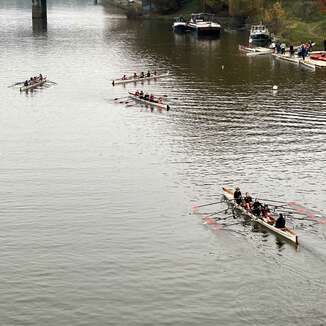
x=247 y=201
x=237 y=196
x=141 y=94
x=124 y=77
x=148 y=74
x=142 y=75
x=256 y=207
x=151 y=98
x=280 y=222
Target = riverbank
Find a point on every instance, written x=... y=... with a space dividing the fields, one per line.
x=293 y=29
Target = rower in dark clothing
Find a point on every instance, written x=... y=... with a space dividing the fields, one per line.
x=26 y=83
x=141 y=94
x=256 y=207
x=237 y=196
x=148 y=74
x=280 y=222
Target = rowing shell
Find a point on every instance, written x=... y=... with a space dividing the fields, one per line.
x=159 y=105
x=31 y=87
x=135 y=80
x=285 y=233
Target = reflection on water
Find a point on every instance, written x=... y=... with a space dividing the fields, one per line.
x=39 y=26
x=96 y=194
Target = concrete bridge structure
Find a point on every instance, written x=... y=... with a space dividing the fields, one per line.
x=39 y=9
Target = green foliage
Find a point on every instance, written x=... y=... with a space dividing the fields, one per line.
x=166 y=6
x=217 y=6
x=245 y=7
x=275 y=17
x=304 y=9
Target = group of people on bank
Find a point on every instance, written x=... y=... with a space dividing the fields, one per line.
x=258 y=209
x=141 y=75
x=302 y=51
x=33 y=80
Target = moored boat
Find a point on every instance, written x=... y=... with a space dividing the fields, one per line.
x=307 y=64
x=259 y=34
x=33 y=86
x=204 y=24
x=180 y=25
x=286 y=57
x=251 y=51
x=284 y=233
x=132 y=79
x=156 y=102
x=318 y=56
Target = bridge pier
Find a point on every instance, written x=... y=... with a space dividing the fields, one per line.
x=39 y=15
x=39 y=9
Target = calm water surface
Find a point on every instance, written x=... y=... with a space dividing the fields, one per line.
x=96 y=195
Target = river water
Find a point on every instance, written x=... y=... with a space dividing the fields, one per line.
x=96 y=195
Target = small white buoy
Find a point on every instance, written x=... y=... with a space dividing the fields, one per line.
x=275 y=88
x=222 y=67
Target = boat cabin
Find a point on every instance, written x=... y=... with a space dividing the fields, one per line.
x=202 y=17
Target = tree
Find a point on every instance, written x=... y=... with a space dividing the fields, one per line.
x=275 y=16
x=245 y=7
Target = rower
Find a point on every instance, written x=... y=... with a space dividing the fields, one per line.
x=155 y=73
x=141 y=94
x=146 y=97
x=280 y=222
x=247 y=202
x=148 y=74
x=160 y=100
x=256 y=207
x=151 y=98
x=135 y=75
x=40 y=77
x=237 y=196
x=124 y=77
x=266 y=214
x=26 y=83
x=142 y=75
x=137 y=92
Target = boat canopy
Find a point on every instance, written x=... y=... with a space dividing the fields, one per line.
x=259 y=28
x=203 y=17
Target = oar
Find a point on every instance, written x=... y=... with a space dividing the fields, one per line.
x=215 y=213
x=50 y=81
x=215 y=202
x=273 y=201
x=119 y=98
x=311 y=214
x=18 y=83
